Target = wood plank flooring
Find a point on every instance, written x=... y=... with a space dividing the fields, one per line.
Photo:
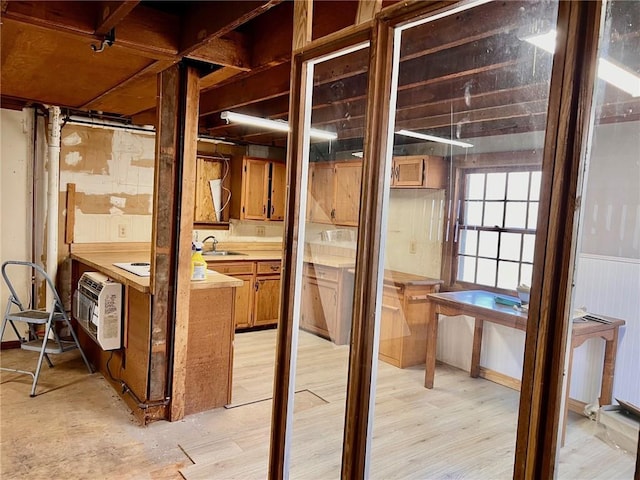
x=77 y=427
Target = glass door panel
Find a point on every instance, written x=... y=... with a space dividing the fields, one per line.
x=604 y=365
x=331 y=206
x=470 y=113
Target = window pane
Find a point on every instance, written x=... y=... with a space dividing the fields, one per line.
x=508 y=275
x=473 y=213
x=468 y=242
x=495 y=186
x=532 y=222
x=528 y=242
x=488 y=244
x=526 y=272
x=475 y=186
x=518 y=186
x=466 y=269
x=535 y=186
x=493 y=213
x=516 y=216
x=510 y=246
x=486 y=272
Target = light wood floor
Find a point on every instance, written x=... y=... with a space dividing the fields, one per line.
x=464 y=428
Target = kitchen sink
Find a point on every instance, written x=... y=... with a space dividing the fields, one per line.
x=221 y=253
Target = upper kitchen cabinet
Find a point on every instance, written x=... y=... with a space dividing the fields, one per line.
x=335 y=192
x=258 y=187
x=420 y=171
x=210 y=169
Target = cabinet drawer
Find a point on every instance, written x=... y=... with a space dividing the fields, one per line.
x=269 y=267
x=321 y=272
x=232 y=268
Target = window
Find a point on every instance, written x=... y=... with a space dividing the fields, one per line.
x=496 y=227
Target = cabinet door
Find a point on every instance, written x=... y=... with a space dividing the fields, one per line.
x=278 y=190
x=319 y=306
x=243 y=302
x=267 y=301
x=436 y=172
x=391 y=328
x=348 y=178
x=206 y=170
x=320 y=200
x=408 y=172
x=255 y=181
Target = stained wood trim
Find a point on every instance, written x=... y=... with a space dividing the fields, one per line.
x=283 y=388
x=499 y=378
x=573 y=77
x=360 y=397
x=8 y=345
x=302 y=23
x=367 y=10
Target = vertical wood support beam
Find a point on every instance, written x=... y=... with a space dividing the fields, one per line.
x=363 y=353
x=367 y=10
x=567 y=130
x=282 y=387
x=302 y=24
x=176 y=146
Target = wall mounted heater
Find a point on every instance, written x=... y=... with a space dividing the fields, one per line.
x=98 y=309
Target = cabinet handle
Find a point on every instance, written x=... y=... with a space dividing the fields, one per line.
x=393 y=309
x=257 y=286
x=335 y=298
x=264 y=209
x=418 y=297
x=273 y=209
x=333 y=213
x=275 y=268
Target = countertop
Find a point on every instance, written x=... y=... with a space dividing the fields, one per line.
x=247 y=256
x=103 y=262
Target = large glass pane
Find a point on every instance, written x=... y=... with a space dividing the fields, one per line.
x=334 y=178
x=471 y=99
x=605 y=373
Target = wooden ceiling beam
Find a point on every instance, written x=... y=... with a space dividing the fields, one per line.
x=111 y=13
x=208 y=20
x=270 y=84
x=229 y=51
x=144 y=31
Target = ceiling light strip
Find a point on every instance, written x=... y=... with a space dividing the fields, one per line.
x=432 y=138
x=277 y=125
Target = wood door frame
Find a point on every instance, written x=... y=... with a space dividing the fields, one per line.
x=573 y=78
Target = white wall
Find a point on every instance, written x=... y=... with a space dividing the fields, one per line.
x=16 y=129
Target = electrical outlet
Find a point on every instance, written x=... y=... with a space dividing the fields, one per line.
x=122 y=230
x=413 y=248
x=259 y=231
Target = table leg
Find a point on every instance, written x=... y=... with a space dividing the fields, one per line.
x=477 y=348
x=565 y=414
x=610 y=351
x=432 y=342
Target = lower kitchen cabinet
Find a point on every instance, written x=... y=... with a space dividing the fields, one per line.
x=403 y=326
x=257 y=302
x=327 y=296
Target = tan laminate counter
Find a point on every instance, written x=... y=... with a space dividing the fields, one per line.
x=103 y=262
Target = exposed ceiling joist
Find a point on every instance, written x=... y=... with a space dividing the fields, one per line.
x=110 y=14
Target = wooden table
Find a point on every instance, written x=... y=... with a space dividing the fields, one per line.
x=482 y=306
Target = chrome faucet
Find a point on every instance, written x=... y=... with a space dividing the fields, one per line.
x=213 y=239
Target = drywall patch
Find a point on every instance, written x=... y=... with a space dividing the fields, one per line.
x=104 y=204
x=91 y=147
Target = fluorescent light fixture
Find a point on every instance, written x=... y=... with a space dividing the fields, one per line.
x=278 y=125
x=358 y=154
x=611 y=73
x=619 y=77
x=431 y=138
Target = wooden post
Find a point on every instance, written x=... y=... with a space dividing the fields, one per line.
x=176 y=147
